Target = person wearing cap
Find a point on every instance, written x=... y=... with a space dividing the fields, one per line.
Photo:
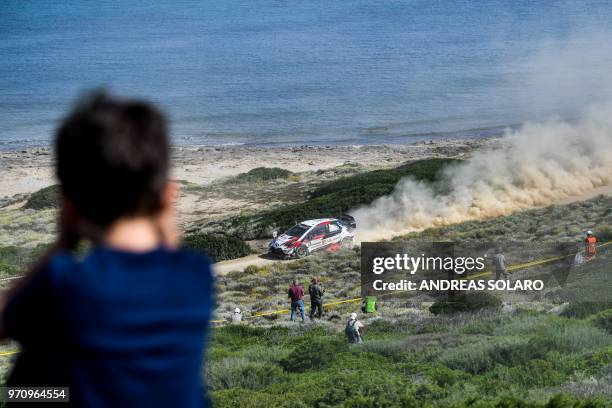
x=316 y=298
x=353 y=329
x=590 y=243
x=236 y=316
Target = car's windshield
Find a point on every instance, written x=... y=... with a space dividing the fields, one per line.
x=297 y=230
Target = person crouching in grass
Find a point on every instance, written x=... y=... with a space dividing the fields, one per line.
x=125 y=323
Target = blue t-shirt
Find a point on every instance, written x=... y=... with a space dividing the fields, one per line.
x=118 y=328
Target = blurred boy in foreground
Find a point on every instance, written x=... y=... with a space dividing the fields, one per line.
x=125 y=325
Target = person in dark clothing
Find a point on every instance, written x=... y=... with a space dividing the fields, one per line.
x=316 y=298
x=499 y=261
x=296 y=294
x=125 y=324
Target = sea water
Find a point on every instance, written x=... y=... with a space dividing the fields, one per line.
x=305 y=72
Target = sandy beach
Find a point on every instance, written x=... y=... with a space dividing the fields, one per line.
x=25 y=171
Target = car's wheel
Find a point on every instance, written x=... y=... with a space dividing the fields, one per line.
x=301 y=251
x=347 y=242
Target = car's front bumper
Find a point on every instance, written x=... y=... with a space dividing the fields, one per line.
x=280 y=252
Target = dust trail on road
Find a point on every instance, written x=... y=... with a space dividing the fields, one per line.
x=540 y=164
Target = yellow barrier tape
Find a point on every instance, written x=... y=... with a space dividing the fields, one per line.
x=511 y=268
x=359 y=299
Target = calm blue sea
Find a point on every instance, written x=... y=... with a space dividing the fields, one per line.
x=306 y=72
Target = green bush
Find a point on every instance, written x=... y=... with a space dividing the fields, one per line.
x=241 y=373
x=313 y=354
x=603 y=320
x=240 y=398
x=442 y=375
x=465 y=302
x=604 y=234
x=427 y=170
x=534 y=373
x=14 y=260
x=516 y=353
x=262 y=174
x=218 y=247
x=571 y=336
x=47 y=197
x=580 y=310
x=373 y=386
x=483 y=355
x=236 y=337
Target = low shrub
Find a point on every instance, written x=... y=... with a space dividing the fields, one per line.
x=427 y=170
x=534 y=373
x=483 y=355
x=313 y=354
x=604 y=234
x=571 y=336
x=239 y=398
x=603 y=320
x=598 y=360
x=48 y=197
x=442 y=375
x=237 y=337
x=516 y=353
x=580 y=310
x=374 y=386
x=217 y=246
x=262 y=174
x=241 y=373
x=465 y=302
x=14 y=260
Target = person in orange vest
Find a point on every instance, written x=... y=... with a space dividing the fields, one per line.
x=591 y=245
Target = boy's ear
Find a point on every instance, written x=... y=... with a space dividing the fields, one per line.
x=69 y=211
x=69 y=224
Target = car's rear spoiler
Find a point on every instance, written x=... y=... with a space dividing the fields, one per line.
x=348 y=221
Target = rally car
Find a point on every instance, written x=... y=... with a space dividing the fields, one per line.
x=312 y=235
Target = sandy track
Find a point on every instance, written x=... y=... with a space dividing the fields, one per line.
x=606 y=190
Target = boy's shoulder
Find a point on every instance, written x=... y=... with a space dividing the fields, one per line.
x=65 y=266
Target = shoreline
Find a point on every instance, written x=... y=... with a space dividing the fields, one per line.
x=25 y=171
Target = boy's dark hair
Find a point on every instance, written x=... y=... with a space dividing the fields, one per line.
x=112 y=158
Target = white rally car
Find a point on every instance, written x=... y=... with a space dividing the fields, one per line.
x=311 y=235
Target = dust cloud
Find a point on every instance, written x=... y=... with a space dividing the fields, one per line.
x=536 y=165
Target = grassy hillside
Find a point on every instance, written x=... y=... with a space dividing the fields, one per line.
x=485 y=359
x=540 y=353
